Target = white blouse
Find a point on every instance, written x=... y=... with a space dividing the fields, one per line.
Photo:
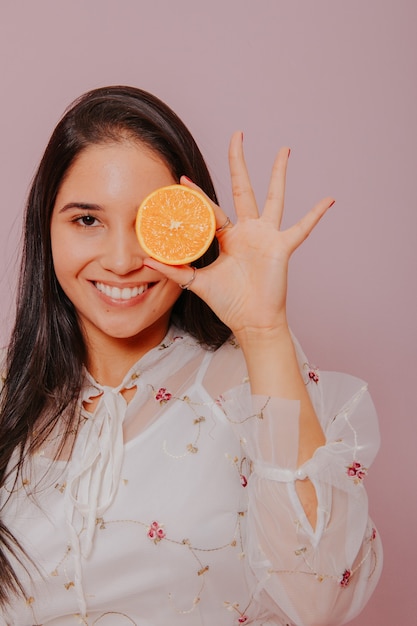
x=179 y=507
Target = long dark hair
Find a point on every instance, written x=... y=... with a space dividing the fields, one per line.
x=47 y=351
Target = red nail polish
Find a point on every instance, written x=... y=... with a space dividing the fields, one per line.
x=289 y=152
x=187 y=178
x=332 y=203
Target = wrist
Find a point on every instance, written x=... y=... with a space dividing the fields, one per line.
x=260 y=339
x=272 y=363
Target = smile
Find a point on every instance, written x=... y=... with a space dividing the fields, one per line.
x=117 y=293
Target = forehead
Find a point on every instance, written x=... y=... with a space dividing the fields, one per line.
x=114 y=166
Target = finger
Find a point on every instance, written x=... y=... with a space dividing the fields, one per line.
x=301 y=230
x=243 y=196
x=220 y=215
x=274 y=205
x=184 y=275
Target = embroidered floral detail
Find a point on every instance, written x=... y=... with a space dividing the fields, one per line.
x=219 y=401
x=242 y=619
x=243 y=467
x=313 y=376
x=373 y=536
x=169 y=343
x=163 y=396
x=356 y=471
x=156 y=532
x=55 y=572
x=312 y=373
x=346 y=576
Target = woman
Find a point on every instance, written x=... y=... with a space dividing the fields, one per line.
x=168 y=455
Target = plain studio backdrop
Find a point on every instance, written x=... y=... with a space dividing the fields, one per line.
x=335 y=81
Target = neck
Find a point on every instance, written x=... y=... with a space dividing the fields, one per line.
x=109 y=361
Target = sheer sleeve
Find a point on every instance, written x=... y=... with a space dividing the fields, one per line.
x=321 y=576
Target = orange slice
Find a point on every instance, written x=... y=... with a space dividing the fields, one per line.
x=175 y=225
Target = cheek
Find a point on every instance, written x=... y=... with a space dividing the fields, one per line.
x=62 y=261
x=60 y=249
x=67 y=257
x=172 y=293
x=165 y=298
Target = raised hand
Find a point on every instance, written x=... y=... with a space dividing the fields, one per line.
x=247 y=285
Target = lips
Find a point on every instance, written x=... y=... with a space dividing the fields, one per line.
x=121 y=293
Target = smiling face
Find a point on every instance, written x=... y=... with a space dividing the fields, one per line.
x=97 y=259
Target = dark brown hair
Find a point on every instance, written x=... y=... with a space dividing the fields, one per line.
x=47 y=351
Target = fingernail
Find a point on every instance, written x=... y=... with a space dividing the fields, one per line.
x=186 y=178
x=289 y=152
x=332 y=203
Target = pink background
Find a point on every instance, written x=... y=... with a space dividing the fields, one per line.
x=334 y=80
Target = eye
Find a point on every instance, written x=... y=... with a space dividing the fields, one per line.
x=86 y=220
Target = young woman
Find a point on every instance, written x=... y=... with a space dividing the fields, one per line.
x=167 y=454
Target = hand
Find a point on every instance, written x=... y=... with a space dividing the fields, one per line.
x=247 y=284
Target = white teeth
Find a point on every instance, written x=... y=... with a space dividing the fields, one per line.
x=115 y=293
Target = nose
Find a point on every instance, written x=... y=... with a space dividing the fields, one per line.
x=122 y=254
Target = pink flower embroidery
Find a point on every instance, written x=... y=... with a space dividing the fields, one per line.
x=356 y=471
x=162 y=395
x=313 y=376
x=242 y=619
x=219 y=401
x=243 y=480
x=156 y=532
x=373 y=536
x=346 y=576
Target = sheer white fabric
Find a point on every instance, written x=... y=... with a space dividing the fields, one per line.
x=180 y=506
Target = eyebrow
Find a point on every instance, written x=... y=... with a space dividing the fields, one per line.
x=86 y=206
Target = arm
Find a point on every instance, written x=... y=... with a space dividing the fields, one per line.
x=273 y=371
x=321 y=576
x=298 y=528
x=246 y=287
